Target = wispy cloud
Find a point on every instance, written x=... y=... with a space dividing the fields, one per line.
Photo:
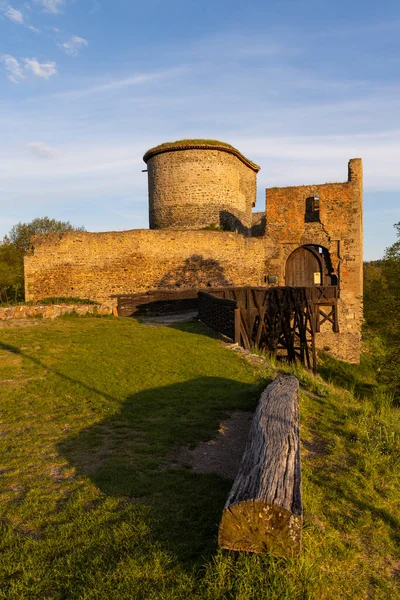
x=16 y=72
x=44 y=70
x=12 y=67
x=42 y=150
x=14 y=15
x=118 y=84
x=74 y=45
x=277 y=100
x=51 y=6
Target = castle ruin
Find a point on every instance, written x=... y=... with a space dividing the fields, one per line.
x=203 y=233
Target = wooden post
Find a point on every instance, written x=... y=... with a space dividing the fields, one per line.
x=264 y=508
x=335 y=317
x=237 y=326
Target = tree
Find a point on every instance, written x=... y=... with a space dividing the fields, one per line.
x=11 y=273
x=382 y=311
x=21 y=234
x=391 y=273
x=12 y=251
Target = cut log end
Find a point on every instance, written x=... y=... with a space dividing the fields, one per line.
x=259 y=527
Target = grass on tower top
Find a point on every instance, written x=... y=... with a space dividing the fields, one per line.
x=197 y=142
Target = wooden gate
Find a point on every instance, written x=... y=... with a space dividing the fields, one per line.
x=304 y=267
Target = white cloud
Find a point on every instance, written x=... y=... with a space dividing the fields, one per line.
x=120 y=83
x=74 y=45
x=51 y=6
x=41 y=150
x=14 y=71
x=14 y=15
x=45 y=70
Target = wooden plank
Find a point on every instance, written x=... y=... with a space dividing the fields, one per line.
x=245 y=340
x=237 y=326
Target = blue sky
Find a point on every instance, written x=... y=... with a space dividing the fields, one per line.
x=299 y=86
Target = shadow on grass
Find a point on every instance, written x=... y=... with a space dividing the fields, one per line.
x=346 y=375
x=199 y=328
x=15 y=350
x=126 y=456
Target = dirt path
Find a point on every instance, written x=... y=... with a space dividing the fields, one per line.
x=223 y=454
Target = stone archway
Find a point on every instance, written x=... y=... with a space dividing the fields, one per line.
x=308 y=266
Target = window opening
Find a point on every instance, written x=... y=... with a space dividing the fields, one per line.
x=312 y=209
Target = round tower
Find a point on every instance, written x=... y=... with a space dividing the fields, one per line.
x=194 y=184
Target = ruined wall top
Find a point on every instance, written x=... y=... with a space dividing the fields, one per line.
x=199 y=144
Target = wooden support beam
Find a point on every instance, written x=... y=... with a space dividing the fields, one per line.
x=264 y=508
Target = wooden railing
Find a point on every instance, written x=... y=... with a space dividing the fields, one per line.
x=221 y=314
x=155 y=301
x=161 y=299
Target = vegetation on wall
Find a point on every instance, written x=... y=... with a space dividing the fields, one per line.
x=12 y=251
x=184 y=144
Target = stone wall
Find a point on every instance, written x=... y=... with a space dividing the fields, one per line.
x=196 y=188
x=98 y=265
x=54 y=310
x=258 y=224
x=339 y=230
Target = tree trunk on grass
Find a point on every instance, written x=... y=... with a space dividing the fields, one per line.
x=264 y=509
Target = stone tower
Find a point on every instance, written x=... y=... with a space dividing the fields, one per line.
x=195 y=184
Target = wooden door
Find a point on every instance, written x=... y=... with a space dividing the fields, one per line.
x=303 y=268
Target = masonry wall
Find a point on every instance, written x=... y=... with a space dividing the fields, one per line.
x=193 y=189
x=258 y=223
x=340 y=231
x=98 y=265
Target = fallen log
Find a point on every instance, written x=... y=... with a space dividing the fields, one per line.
x=264 y=508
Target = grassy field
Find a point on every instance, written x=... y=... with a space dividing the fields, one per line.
x=90 y=409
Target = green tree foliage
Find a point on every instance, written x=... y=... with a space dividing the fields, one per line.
x=13 y=249
x=11 y=273
x=22 y=233
x=382 y=311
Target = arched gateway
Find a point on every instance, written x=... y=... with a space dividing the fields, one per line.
x=308 y=266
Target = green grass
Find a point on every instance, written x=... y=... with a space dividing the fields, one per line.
x=90 y=409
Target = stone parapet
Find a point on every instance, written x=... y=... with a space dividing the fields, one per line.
x=53 y=310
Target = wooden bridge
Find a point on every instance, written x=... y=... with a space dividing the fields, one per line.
x=281 y=320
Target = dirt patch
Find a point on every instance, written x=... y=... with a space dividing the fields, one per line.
x=222 y=455
x=314 y=447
